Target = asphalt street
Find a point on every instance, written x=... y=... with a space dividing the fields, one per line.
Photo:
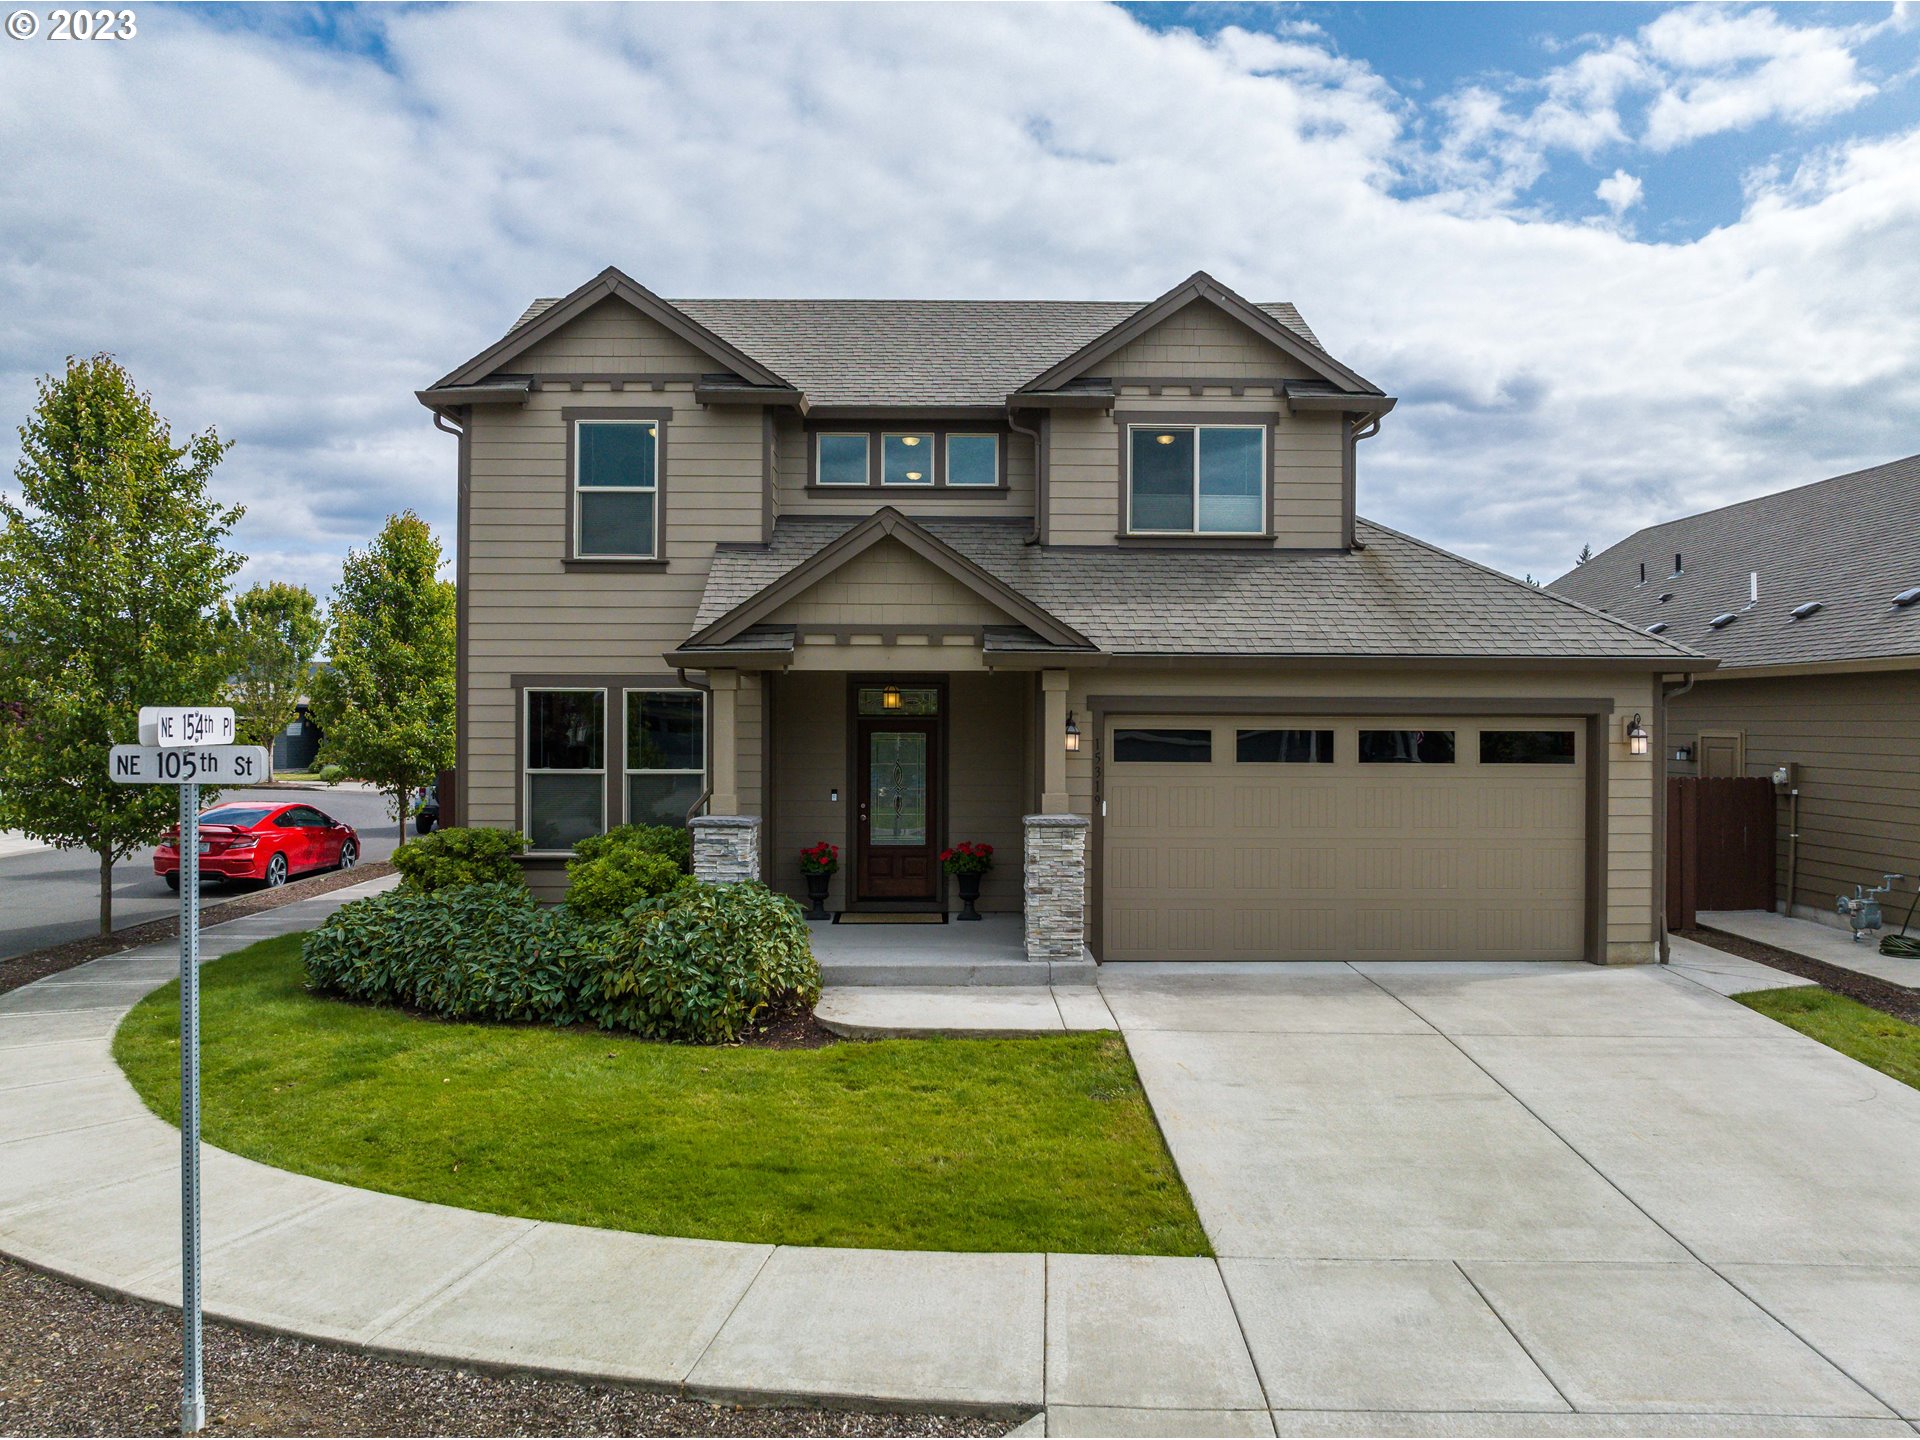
x=48 y=896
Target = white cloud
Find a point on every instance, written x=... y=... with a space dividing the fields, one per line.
x=287 y=241
x=1620 y=192
x=1732 y=69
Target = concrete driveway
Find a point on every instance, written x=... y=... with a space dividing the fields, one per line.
x=1444 y=1191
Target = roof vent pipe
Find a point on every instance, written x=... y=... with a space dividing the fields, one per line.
x=1753 y=588
x=1907 y=597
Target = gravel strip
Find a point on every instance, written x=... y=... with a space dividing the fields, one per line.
x=73 y=1362
x=1889 y=999
x=38 y=964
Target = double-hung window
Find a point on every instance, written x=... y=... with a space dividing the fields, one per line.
x=616 y=483
x=566 y=766
x=1196 y=479
x=666 y=760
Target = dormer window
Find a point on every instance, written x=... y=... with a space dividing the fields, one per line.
x=906 y=459
x=842 y=460
x=1196 y=479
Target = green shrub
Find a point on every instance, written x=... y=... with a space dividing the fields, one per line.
x=611 y=873
x=460 y=856
x=332 y=774
x=472 y=952
x=702 y=963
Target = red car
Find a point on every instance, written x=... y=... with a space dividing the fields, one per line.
x=263 y=843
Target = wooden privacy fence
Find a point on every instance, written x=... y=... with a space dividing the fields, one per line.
x=1720 y=847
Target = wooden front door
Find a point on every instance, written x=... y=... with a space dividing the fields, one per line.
x=898 y=820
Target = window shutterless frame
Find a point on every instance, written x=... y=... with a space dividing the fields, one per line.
x=908 y=458
x=971 y=444
x=880 y=447
x=580 y=547
x=1264 y=506
x=821 y=447
x=529 y=772
x=695 y=774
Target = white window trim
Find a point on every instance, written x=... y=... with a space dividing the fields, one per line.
x=628 y=770
x=946 y=459
x=1266 y=501
x=527 y=772
x=933 y=448
x=579 y=505
x=866 y=440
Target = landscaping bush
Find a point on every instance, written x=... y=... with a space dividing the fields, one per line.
x=611 y=873
x=332 y=774
x=460 y=856
x=702 y=963
x=470 y=952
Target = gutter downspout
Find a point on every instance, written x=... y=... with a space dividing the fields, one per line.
x=1039 y=476
x=1660 y=805
x=706 y=708
x=1365 y=430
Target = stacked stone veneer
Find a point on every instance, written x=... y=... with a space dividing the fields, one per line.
x=726 y=848
x=1056 y=887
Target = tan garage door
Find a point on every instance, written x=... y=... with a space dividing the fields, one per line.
x=1264 y=838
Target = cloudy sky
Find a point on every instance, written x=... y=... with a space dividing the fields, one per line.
x=1620 y=262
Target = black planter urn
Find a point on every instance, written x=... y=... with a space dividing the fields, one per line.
x=969 y=892
x=817 y=895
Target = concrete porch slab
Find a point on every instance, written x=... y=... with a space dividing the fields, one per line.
x=1408 y=1335
x=871 y=1012
x=990 y=951
x=1663 y=1338
x=1823 y=942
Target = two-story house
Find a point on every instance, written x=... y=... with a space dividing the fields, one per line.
x=1082 y=580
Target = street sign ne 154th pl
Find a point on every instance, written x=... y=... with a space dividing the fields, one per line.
x=174 y=725
x=201 y=765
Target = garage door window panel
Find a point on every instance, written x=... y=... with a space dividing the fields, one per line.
x=1162 y=747
x=1283 y=747
x=1406 y=747
x=1526 y=747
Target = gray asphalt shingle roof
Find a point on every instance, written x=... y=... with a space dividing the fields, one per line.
x=1398 y=597
x=914 y=352
x=1852 y=543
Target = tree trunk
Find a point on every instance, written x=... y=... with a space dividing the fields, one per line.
x=106 y=892
x=400 y=807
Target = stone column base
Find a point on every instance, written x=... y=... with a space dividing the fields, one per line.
x=1056 y=888
x=726 y=848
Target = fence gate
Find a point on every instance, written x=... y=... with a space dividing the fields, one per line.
x=1720 y=846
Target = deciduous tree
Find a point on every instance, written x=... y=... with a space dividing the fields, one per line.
x=271 y=634
x=112 y=568
x=385 y=700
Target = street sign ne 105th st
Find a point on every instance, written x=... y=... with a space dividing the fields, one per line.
x=172 y=726
x=201 y=765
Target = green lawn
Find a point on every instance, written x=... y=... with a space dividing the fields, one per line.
x=1043 y=1144
x=1890 y=1046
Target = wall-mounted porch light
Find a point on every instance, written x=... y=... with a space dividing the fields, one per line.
x=1073 y=733
x=1638 y=740
x=890 y=698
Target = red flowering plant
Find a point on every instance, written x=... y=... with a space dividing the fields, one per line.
x=821 y=859
x=967 y=858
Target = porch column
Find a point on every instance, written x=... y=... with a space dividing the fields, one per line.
x=726 y=848
x=1053 y=744
x=1056 y=888
x=725 y=760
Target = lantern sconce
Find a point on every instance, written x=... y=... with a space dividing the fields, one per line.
x=890 y=698
x=1637 y=738
x=1073 y=734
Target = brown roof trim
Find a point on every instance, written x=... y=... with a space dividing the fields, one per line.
x=1865 y=665
x=883 y=524
x=499 y=392
x=1293 y=660
x=610 y=283
x=1061 y=400
x=903 y=413
x=720 y=392
x=1342 y=402
x=1201 y=286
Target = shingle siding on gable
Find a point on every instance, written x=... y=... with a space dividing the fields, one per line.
x=888 y=585
x=613 y=339
x=1201 y=340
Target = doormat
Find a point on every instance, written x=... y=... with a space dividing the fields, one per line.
x=890 y=917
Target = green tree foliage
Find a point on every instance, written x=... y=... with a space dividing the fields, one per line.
x=456 y=856
x=385 y=702
x=271 y=634
x=112 y=569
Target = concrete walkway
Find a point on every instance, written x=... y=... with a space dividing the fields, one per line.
x=1827 y=943
x=1460 y=1199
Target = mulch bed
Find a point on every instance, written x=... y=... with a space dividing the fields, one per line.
x=38 y=964
x=1895 y=1000
x=73 y=1362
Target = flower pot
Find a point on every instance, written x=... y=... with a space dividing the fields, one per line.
x=817 y=895
x=969 y=892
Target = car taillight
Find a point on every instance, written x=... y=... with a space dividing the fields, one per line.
x=245 y=842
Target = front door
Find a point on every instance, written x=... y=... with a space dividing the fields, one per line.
x=898 y=802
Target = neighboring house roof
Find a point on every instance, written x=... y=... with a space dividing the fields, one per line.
x=919 y=352
x=1851 y=544
x=1397 y=598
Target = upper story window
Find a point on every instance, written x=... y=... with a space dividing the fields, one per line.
x=1196 y=479
x=616 y=479
x=906 y=460
x=973 y=459
x=842 y=460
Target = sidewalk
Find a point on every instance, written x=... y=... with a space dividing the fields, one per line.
x=15 y=842
x=1825 y=943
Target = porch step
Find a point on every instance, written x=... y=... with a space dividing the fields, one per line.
x=859 y=971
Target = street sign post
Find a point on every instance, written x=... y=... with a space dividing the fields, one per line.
x=173 y=759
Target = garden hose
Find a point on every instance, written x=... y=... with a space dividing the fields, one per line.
x=1903 y=945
